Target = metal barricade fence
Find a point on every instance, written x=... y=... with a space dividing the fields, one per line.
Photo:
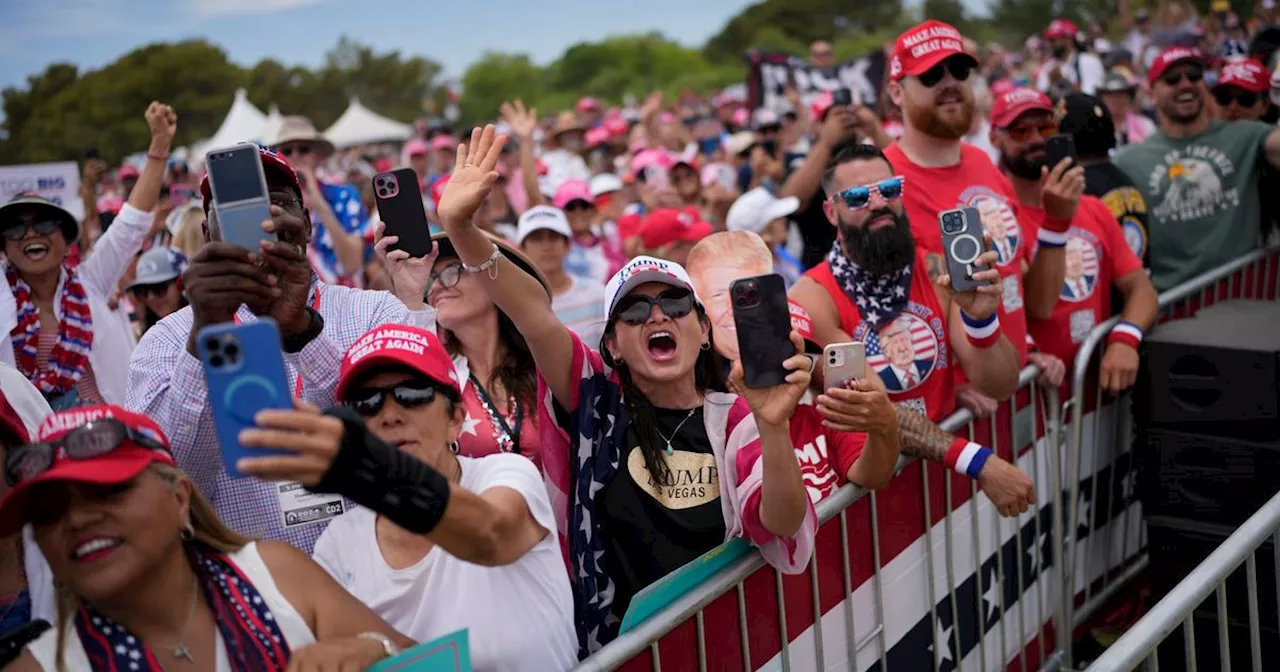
x=1178 y=607
x=1101 y=490
x=798 y=622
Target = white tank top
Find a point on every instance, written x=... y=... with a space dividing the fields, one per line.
x=295 y=629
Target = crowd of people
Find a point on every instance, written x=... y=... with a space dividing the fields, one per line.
x=519 y=431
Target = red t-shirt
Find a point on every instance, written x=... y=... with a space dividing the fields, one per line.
x=824 y=455
x=974 y=182
x=1097 y=255
x=911 y=354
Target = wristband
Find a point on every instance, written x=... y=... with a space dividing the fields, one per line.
x=377 y=476
x=1128 y=333
x=1051 y=239
x=966 y=457
x=158 y=157
x=982 y=333
x=295 y=343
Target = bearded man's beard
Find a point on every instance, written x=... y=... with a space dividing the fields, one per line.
x=932 y=123
x=1023 y=166
x=882 y=251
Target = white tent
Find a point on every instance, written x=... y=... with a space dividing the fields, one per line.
x=271 y=128
x=359 y=125
x=243 y=123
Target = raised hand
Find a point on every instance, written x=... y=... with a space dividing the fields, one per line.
x=313 y=439
x=163 y=122
x=410 y=276
x=523 y=123
x=984 y=300
x=474 y=174
x=774 y=405
x=1062 y=188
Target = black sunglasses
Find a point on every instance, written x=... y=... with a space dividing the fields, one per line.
x=960 y=68
x=636 y=308
x=1244 y=98
x=93 y=439
x=408 y=394
x=577 y=206
x=299 y=149
x=1192 y=75
x=18 y=232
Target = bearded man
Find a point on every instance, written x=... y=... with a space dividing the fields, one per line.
x=930 y=81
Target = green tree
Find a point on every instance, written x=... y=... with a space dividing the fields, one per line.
x=801 y=20
x=496 y=78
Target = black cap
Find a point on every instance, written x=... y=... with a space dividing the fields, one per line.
x=1088 y=120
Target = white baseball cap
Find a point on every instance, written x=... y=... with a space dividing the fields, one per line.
x=755 y=209
x=644 y=269
x=604 y=183
x=542 y=217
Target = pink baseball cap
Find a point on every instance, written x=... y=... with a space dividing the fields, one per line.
x=442 y=142
x=1061 y=29
x=651 y=157
x=597 y=136
x=570 y=191
x=397 y=345
x=587 y=104
x=416 y=147
x=617 y=126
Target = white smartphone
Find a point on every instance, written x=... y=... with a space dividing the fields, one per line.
x=240 y=199
x=842 y=362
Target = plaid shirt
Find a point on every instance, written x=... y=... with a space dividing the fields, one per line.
x=167 y=384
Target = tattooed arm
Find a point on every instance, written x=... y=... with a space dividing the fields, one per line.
x=1010 y=490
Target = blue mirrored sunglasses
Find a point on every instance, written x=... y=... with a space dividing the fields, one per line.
x=858 y=197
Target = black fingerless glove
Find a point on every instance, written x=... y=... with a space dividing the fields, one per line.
x=377 y=476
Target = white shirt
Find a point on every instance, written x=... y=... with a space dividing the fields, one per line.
x=519 y=616
x=294 y=628
x=100 y=273
x=32 y=409
x=1090 y=76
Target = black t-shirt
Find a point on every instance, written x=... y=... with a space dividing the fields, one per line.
x=1110 y=185
x=652 y=529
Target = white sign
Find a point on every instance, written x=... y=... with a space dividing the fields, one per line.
x=58 y=182
x=299 y=506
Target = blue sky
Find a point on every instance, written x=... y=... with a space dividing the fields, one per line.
x=92 y=33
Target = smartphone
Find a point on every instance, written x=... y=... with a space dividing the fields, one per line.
x=244 y=371
x=400 y=207
x=843 y=362
x=841 y=97
x=240 y=200
x=760 y=309
x=1059 y=147
x=963 y=242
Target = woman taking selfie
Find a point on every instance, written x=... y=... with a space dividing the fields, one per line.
x=669 y=466
x=148 y=577
x=489 y=564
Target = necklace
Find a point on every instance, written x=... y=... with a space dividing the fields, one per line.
x=670 y=450
x=180 y=651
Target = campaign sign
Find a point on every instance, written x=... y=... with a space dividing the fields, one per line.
x=451 y=653
x=58 y=182
x=769 y=75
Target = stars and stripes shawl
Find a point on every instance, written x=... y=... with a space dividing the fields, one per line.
x=582 y=455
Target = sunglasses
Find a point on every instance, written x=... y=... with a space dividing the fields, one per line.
x=1022 y=132
x=298 y=149
x=635 y=309
x=1192 y=75
x=577 y=206
x=85 y=442
x=157 y=289
x=16 y=233
x=448 y=276
x=960 y=68
x=369 y=401
x=1243 y=98
x=858 y=197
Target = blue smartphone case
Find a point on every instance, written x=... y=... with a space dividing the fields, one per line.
x=244 y=371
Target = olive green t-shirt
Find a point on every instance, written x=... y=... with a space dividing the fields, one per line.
x=1202 y=196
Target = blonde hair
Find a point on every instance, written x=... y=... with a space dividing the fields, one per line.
x=209 y=530
x=190 y=236
x=738 y=249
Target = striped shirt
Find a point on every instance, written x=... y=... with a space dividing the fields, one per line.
x=86 y=387
x=167 y=384
x=581 y=308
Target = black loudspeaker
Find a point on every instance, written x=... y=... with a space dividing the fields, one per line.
x=1218 y=376
x=1208 y=479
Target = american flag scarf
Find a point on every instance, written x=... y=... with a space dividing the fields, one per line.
x=70 y=355
x=252 y=637
x=879 y=298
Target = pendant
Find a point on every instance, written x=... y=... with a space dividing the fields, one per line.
x=181 y=652
x=670 y=450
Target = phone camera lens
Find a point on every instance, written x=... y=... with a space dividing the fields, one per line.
x=216 y=362
x=231 y=350
x=213 y=345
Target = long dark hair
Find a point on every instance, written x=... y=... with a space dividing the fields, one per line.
x=515 y=368
x=708 y=376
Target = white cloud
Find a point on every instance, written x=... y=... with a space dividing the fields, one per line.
x=207 y=8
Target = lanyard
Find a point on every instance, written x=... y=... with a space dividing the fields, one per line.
x=315 y=305
x=510 y=440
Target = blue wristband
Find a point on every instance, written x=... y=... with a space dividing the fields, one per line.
x=979 y=460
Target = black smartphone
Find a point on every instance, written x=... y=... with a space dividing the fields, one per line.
x=963 y=242
x=400 y=207
x=761 y=313
x=841 y=97
x=1059 y=147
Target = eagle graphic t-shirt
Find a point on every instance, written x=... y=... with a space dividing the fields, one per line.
x=655 y=525
x=1202 y=196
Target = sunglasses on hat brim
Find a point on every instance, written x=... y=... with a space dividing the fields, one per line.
x=635 y=309
x=86 y=442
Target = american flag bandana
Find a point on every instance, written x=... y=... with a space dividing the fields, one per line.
x=879 y=298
